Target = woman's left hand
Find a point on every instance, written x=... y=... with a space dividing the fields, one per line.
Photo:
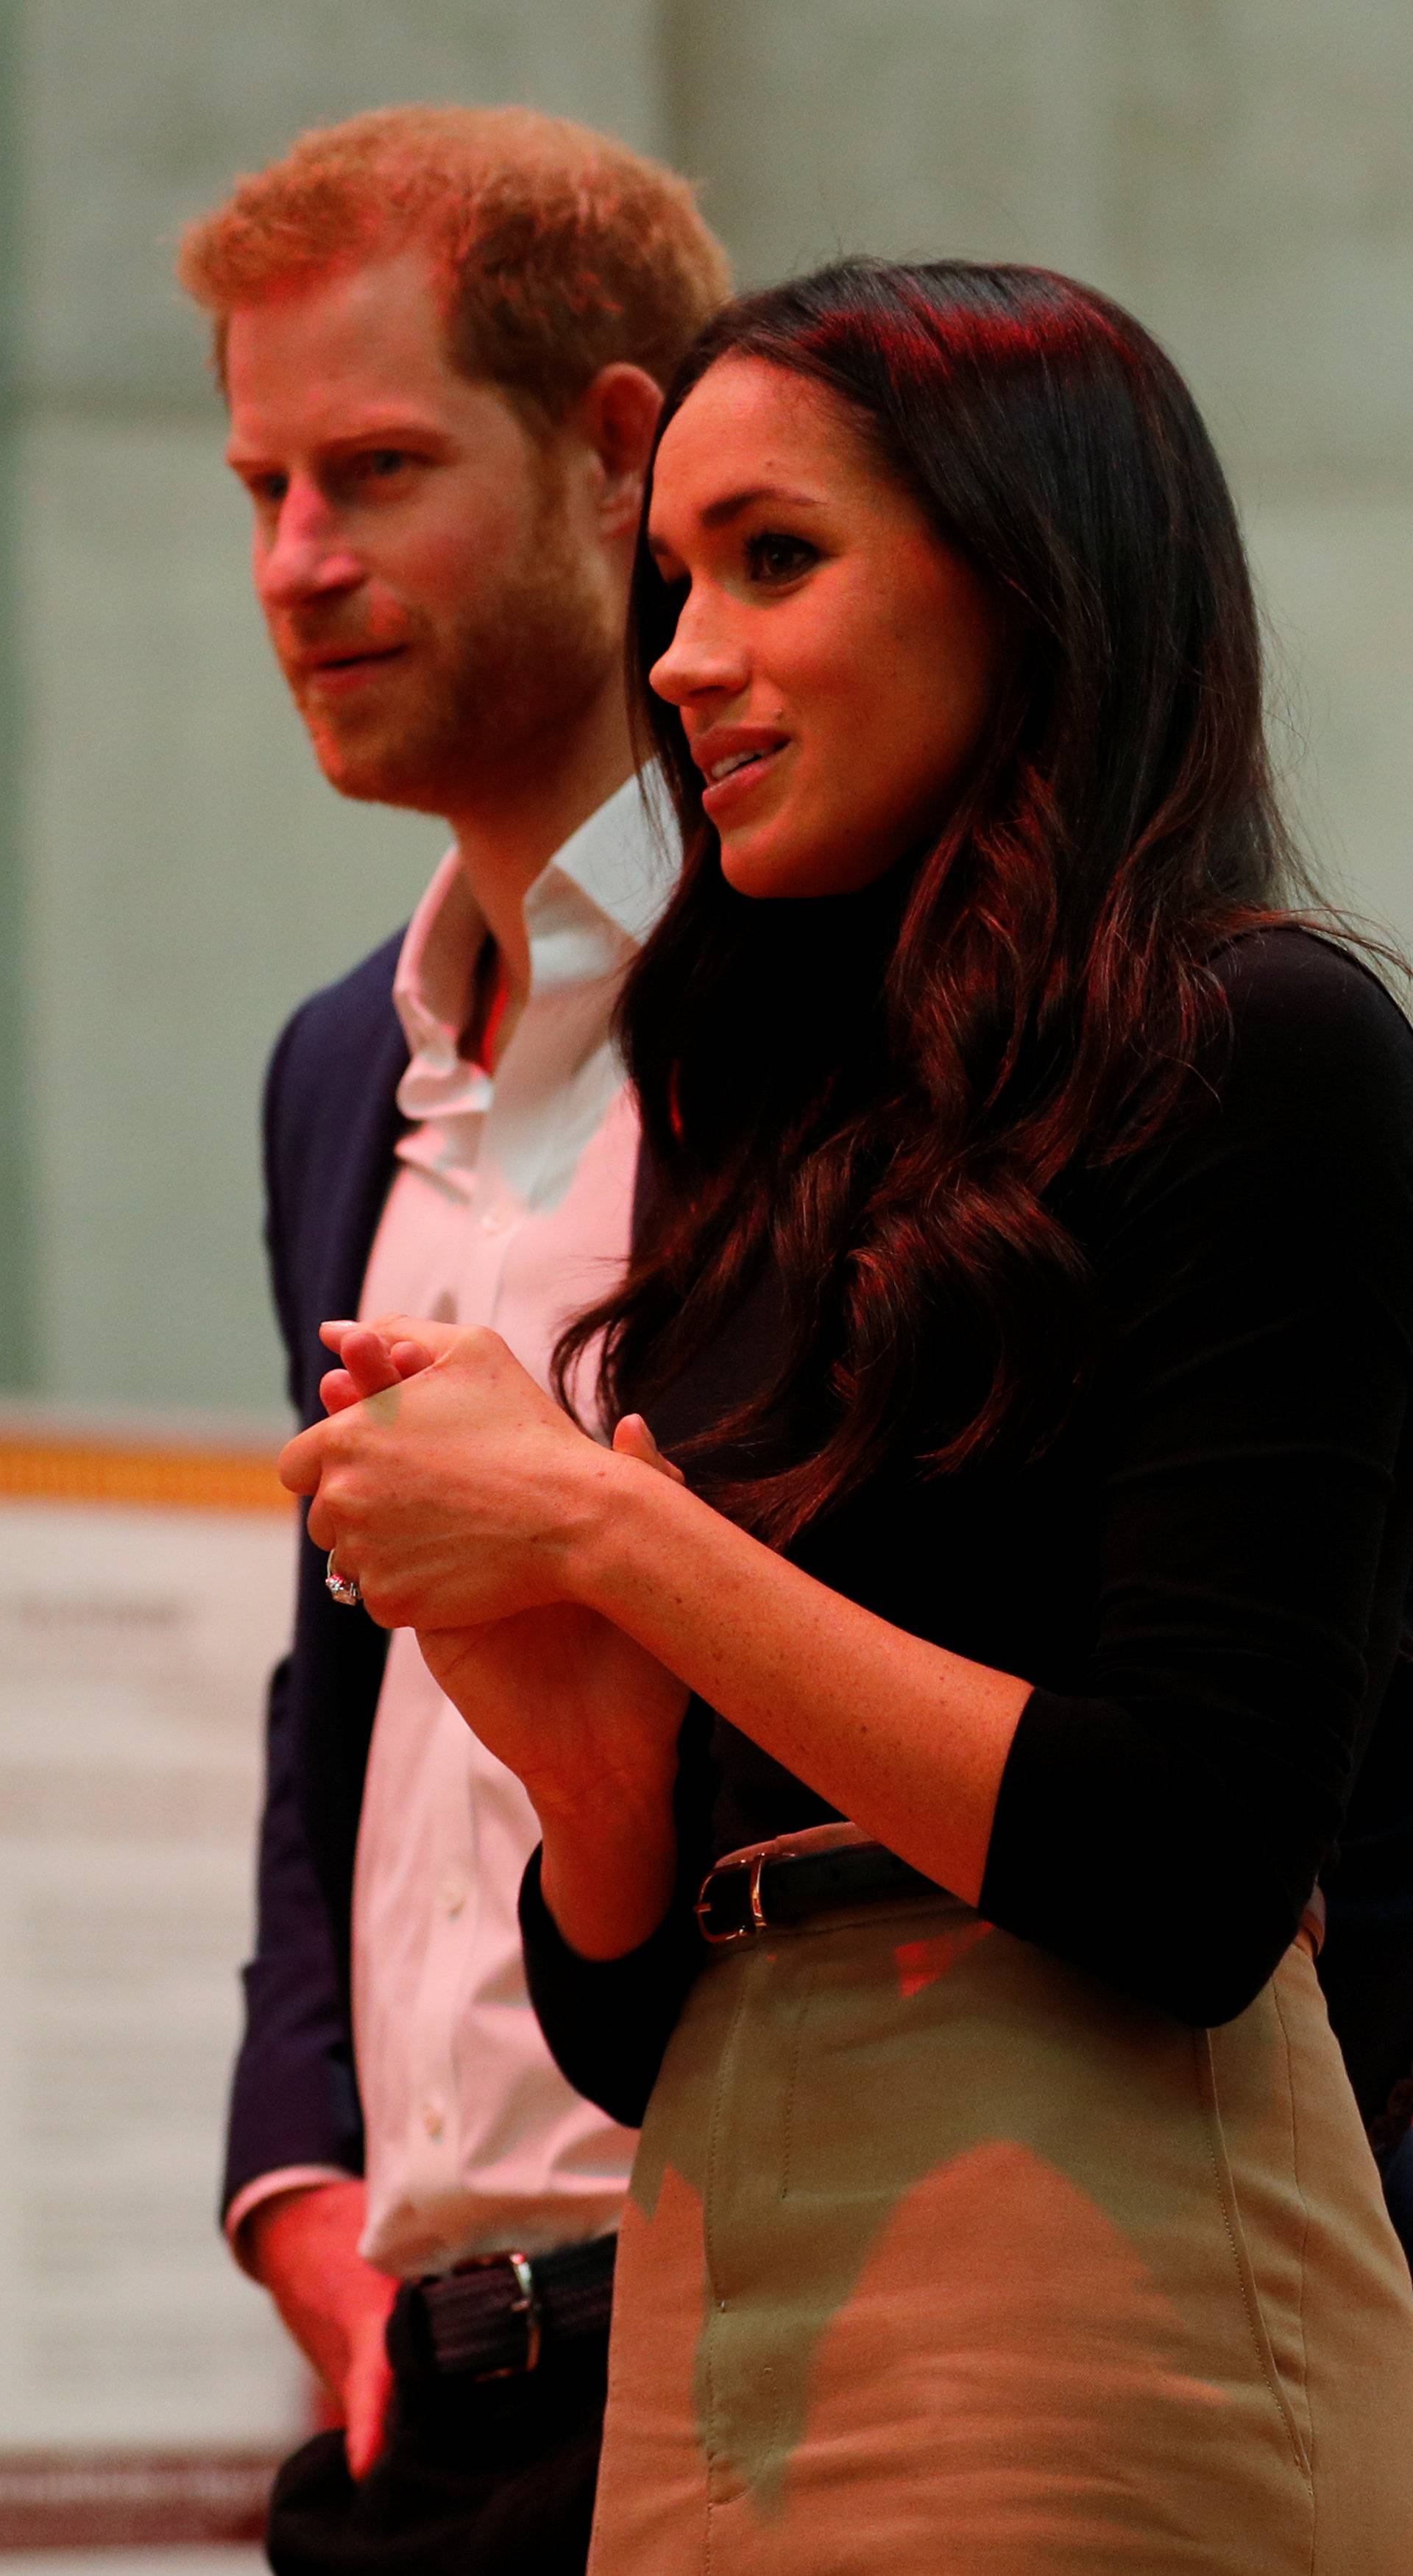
x=452 y=1495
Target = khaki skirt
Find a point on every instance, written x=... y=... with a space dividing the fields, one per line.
x=941 y=2259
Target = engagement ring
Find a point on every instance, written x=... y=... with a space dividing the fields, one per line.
x=342 y=1587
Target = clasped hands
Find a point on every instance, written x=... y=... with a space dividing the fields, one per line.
x=470 y=1507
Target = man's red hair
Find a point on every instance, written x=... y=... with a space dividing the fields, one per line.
x=561 y=250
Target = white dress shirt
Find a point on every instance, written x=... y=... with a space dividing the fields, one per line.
x=511 y=1207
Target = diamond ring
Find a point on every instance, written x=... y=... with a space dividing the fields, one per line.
x=342 y=1588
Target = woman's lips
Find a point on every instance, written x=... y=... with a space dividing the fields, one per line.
x=730 y=792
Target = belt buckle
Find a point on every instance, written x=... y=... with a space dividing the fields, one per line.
x=526 y=2306
x=751 y=1864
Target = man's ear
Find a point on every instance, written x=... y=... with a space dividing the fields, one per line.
x=615 y=417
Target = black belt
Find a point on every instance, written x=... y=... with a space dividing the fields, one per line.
x=495 y=2316
x=773 y=1888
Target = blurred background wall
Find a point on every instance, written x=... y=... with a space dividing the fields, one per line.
x=177 y=875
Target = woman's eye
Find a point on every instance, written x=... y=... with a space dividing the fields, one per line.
x=774 y=557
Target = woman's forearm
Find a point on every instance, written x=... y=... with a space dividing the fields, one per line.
x=906 y=1739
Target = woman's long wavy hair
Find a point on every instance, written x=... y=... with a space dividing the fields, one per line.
x=884 y=1095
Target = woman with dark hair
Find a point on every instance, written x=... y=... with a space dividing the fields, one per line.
x=935 y=1785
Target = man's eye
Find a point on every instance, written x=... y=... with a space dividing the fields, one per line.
x=377 y=464
x=771 y=556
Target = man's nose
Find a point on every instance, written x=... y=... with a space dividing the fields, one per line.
x=704 y=657
x=307 y=556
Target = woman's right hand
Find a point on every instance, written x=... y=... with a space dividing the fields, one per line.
x=587 y=1719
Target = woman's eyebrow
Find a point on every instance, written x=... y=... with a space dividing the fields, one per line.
x=717 y=514
x=731 y=504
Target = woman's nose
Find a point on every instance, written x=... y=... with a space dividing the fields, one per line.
x=704 y=656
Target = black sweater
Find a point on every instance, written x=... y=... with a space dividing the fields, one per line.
x=1202 y=1576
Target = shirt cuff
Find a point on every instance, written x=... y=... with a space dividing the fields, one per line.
x=269 y=2186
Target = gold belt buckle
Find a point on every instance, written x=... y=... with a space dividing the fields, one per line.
x=753 y=1864
x=526 y=2306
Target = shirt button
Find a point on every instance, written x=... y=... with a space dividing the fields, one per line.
x=454 y=1895
x=497 y=1219
x=432 y=2120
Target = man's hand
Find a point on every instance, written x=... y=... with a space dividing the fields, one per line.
x=303 y=2247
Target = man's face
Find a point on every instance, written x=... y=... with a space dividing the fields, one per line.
x=435 y=614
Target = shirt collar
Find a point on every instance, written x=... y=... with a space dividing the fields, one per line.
x=623 y=859
x=590 y=906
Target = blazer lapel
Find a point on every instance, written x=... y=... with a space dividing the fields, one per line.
x=357 y=1168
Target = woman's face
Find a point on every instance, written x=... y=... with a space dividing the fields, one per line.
x=834 y=662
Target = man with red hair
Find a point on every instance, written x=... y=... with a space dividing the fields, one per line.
x=442 y=334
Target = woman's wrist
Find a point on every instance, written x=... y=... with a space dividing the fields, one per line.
x=609 y=1860
x=613 y=1508
x=607 y=1873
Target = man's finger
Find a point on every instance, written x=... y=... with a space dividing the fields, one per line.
x=337 y=1391
x=366 y=2400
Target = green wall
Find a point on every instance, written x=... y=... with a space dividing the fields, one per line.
x=17 y=1274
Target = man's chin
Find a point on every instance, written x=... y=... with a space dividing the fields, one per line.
x=430 y=775
x=366 y=783
x=377 y=775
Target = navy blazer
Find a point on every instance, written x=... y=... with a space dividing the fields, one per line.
x=331 y=1127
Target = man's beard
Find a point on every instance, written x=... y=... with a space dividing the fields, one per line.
x=486 y=699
